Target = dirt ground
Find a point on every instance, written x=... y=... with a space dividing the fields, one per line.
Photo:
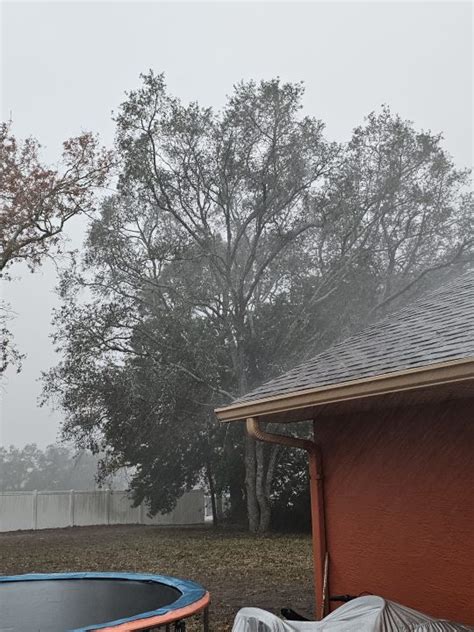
x=236 y=568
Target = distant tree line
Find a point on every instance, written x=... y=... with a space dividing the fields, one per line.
x=54 y=468
x=236 y=244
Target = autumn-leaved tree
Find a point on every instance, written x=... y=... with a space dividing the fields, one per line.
x=36 y=201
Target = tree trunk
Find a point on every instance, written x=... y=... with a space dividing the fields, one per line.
x=272 y=461
x=253 y=511
x=212 y=493
x=258 y=500
x=220 y=507
x=262 y=497
x=238 y=509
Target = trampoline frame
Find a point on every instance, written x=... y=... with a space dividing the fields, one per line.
x=194 y=599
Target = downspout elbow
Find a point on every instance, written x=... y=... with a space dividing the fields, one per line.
x=256 y=432
x=317 y=504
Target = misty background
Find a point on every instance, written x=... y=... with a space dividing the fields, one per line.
x=65 y=67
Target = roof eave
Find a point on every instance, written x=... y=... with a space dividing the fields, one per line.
x=407 y=380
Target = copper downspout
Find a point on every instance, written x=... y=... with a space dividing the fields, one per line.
x=317 y=503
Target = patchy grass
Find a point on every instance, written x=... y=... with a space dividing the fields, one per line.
x=237 y=568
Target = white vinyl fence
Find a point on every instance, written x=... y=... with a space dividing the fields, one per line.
x=52 y=510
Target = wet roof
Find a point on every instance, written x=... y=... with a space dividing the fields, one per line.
x=437 y=327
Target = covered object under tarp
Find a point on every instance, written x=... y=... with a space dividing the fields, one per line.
x=364 y=614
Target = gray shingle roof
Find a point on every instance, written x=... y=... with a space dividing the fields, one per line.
x=437 y=327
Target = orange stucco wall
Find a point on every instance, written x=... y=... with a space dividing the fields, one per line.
x=399 y=496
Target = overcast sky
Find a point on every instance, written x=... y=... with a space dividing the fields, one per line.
x=65 y=67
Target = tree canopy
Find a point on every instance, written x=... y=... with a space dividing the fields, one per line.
x=237 y=243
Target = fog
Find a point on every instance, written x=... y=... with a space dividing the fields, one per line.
x=66 y=66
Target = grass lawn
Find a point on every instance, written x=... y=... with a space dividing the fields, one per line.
x=237 y=569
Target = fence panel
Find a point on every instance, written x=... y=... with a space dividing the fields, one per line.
x=121 y=510
x=50 y=510
x=17 y=511
x=189 y=510
x=90 y=508
x=53 y=510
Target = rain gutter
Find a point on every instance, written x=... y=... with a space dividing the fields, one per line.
x=394 y=382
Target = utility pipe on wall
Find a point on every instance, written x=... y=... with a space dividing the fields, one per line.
x=317 y=503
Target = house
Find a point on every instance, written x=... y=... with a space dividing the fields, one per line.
x=392 y=462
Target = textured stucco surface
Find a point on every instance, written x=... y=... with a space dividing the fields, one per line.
x=399 y=489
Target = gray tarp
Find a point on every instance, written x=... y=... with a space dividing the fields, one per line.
x=364 y=614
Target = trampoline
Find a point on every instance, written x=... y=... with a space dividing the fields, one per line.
x=81 y=602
